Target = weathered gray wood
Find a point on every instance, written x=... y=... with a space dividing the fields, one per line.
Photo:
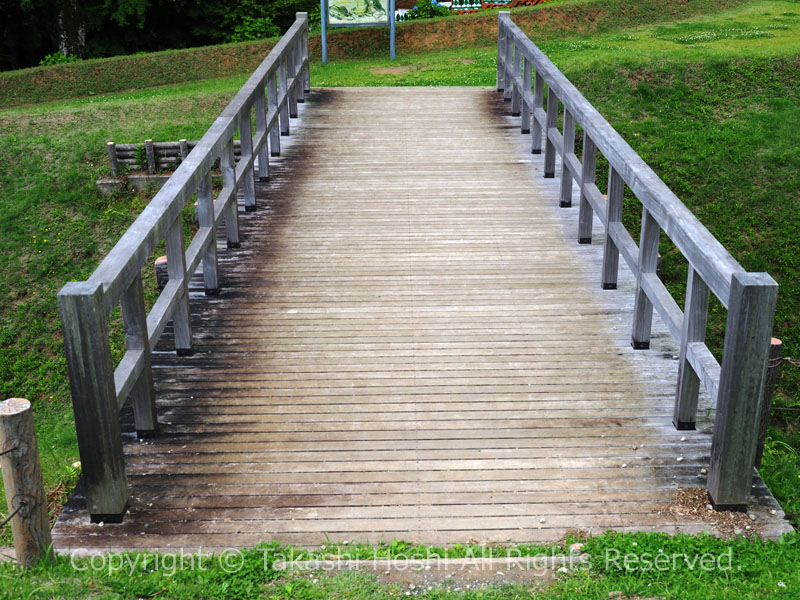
x=551 y=126
x=585 y=212
x=272 y=103
x=516 y=94
x=151 y=157
x=709 y=257
x=94 y=399
x=501 y=41
x=143 y=396
x=303 y=17
x=205 y=219
x=538 y=99
x=161 y=272
x=183 y=148
x=565 y=200
x=773 y=372
x=283 y=95
x=744 y=365
x=22 y=481
x=648 y=263
x=695 y=318
x=248 y=179
x=226 y=165
x=616 y=189
x=508 y=80
x=112 y=157
x=176 y=264
x=260 y=108
x=527 y=74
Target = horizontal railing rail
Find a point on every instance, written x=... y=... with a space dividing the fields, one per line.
x=541 y=95
x=98 y=391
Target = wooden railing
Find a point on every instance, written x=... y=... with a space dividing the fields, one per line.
x=98 y=390
x=526 y=76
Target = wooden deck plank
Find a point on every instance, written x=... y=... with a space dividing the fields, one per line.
x=409 y=344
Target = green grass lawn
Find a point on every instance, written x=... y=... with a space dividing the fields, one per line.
x=712 y=104
x=619 y=566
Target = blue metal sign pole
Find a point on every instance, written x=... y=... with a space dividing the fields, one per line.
x=323 y=7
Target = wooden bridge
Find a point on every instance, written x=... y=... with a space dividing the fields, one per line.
x=404 y=338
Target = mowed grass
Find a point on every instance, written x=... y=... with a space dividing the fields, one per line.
x=619 y=566
x=711 y=103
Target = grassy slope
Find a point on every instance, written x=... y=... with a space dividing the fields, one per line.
x=672 y=100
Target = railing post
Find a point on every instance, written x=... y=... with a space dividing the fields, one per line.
x=176 y=265
x=94 y=400
x=246 y=138
x=227 y=164
x=260 y=108
x=284 y=96
x=305 y=63
x=150 y=151
x=538 y=99
x=516 y=95
x=751 y=310
x=773 y=371
x=616 y=189
x=501 y=49
x=648 y=263
x=22 y=479
x=112 y=157
x=550 y=123
x=206 y=219
x=508 y=80
x=568 y=140
x=272 y=103
x=588 y=173
x=695 y=318
x=525 y=121
x=299 y=77
x=143 y=396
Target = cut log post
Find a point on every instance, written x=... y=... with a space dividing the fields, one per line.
x=162 y=272
x=112 y=157
x=773 y=372
x=22 y=478
x=151 y=157
x=184 y=149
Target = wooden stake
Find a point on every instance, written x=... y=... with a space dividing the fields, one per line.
x=773 y=372
x=22 y=477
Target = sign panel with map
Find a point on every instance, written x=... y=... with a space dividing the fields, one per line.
x=343 y=13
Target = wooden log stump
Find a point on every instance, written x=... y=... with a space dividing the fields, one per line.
x=22 y=477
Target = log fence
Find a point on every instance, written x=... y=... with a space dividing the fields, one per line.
x=98 y=389
x=737 y=384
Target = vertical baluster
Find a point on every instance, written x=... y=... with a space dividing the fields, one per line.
x=206 y=219
x=589 y=171
x=569 y=148
x=616 y=189
x=176 y=266
x=516 y=94
x=538 y=99
x=248 y=182
x=227 y=166
x=84 y=325
x=298 y=71
x=508 y=81
x=648 y=263
x=751 y=309
x=525 y=121
x=260 y=108
x=291 y=99
x=272 y=103
x=695 y=317
x=501 y=50
x=283 y=97
x=551 y=123
x=306 y=66
x=143 y=395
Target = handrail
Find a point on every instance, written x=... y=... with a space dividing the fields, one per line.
x=98 y=391
x=750 y=298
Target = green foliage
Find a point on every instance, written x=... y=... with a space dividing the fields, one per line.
x=425 y=9
x=254 y=28
x=57 y=58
